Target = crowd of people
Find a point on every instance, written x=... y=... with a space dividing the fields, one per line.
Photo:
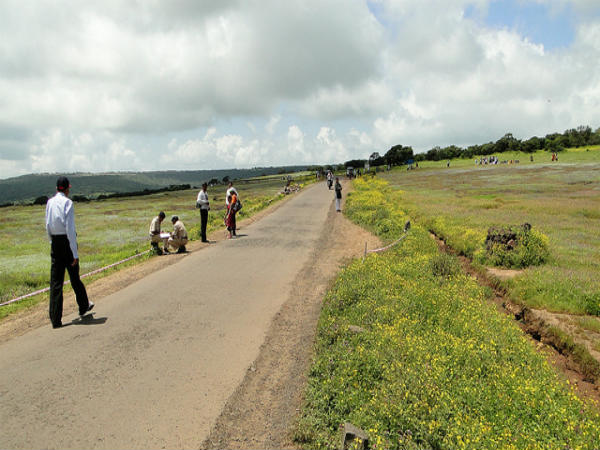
x=165 y=243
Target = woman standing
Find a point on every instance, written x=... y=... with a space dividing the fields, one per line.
x=230 y=216
x=338 y=195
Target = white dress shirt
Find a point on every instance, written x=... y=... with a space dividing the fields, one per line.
x=60 y=219
x=202 y=200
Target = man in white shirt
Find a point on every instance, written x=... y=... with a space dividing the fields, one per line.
x=203 y=203
x=60 y=226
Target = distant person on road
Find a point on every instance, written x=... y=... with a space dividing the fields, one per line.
x=203 y=203
x=154 y=232
x=338 y=195
x=60 y=226
x=329 y=179
x=231 y=193
x=179 y=236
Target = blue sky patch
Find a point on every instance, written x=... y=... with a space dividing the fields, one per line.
x=539 y=23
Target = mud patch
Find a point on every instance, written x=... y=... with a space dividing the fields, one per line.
x=503 y=274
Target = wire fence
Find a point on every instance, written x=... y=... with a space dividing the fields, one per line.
x=382 y=249
x=93 y=272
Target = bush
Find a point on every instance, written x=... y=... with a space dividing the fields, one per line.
x=592 y=304
x=530 y=249
x=444 y=265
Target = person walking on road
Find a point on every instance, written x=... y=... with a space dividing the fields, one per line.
x=60 y=226
x=179 y=236
x=154 y=232
x=338 y=195
x=203 y=203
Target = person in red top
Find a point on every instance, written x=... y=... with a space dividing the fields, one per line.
x=230 y=216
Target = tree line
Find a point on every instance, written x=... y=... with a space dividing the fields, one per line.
x=555 y=142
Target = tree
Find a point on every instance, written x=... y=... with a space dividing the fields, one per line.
x=226 y=179
x=507 y=143
x=355 y=163
x=532 y=144
x=41 y=200
x=398 y=155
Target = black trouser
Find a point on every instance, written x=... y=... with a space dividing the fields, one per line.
x=62 y=258
x=203 y=222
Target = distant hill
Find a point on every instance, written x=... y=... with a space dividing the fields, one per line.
x=26 y=188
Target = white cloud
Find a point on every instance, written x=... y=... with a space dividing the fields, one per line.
x=183 y=84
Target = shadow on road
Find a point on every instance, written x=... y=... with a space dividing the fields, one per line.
x=89 y=320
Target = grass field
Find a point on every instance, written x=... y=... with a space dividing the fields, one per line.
x=560 y=200
x=109 y=231
x=433 y=364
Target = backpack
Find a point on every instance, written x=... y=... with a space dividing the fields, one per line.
x=237 y=206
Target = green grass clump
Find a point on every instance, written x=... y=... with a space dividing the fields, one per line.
x=437 y=365
x=531 y=249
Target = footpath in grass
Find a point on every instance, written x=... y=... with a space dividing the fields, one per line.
x=433 y=364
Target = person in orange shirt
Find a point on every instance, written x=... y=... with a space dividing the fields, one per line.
x=231 y=211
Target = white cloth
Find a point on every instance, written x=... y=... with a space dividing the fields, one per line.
x=202 y=200
x=60 y=219
x=230 y=191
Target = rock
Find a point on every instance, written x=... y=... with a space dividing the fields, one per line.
x=506 y=236
x=356 y=329
x=350 y=433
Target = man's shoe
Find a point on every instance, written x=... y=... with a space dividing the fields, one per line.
x=58 y=325
x=181 y=249
x=166 y=250
x=89 y=308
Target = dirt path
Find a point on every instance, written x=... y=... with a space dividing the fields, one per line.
x=220 y=336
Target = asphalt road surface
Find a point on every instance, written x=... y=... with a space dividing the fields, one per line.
x=155 y=365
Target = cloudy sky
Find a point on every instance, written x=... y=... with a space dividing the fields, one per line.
x=112 y=85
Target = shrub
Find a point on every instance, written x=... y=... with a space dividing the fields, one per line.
x=530 y=249
x=592 y=304
x=444 y=265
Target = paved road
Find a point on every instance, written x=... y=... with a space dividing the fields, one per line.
x=160 y=358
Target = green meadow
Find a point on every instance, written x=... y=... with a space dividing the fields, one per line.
x=561 y=200
x=411 y=350
x=109 y=231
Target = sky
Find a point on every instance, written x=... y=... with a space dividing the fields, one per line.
x=190 y=84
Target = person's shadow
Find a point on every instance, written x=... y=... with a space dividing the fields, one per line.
x=89 y=319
